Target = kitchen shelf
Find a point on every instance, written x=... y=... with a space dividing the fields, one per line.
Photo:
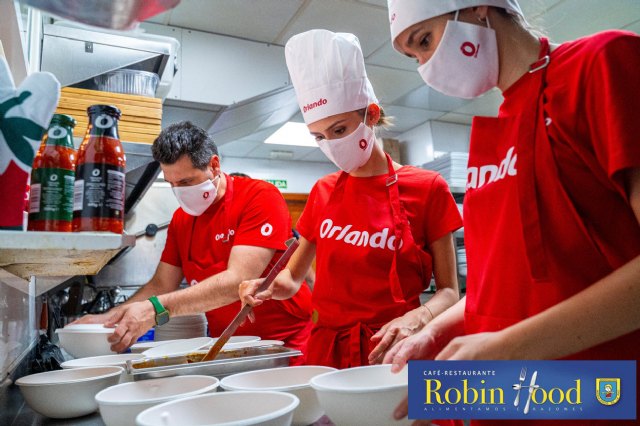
x=59 y=254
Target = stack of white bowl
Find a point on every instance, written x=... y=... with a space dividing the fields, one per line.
x=224 y=408
x=362 y=395
x=293 y=380
x=183 y=327
x=64 y=394
x=461 y=254
x=119 y=405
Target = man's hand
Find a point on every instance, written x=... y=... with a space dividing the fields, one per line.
x=396 y=330
x=131 y=321
x=93 y=319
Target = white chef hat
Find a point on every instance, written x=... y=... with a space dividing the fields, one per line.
x=328 y=74
x=405 y=13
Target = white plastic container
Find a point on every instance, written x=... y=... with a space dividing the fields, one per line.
x=85 y=340
x=362 y=395
x=294 y=380
x=64 y=394
x=120 y=404
x=224 y=408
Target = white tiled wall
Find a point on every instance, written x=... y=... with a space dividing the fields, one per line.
x=17 y=320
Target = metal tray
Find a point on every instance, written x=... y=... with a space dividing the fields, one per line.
x=225 y=364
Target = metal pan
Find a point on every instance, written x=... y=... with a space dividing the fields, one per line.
x=227 y=363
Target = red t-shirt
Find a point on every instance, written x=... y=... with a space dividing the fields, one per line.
x=258 y=217
x=592 y=103
x=352 y=265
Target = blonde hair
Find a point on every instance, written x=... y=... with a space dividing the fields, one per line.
x=534 y=29
x=384 y=120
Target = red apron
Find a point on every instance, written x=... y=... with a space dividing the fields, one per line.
x=349 y=346
x=515 y=270
x=284 y=320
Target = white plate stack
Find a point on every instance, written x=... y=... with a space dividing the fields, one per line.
x=461 y=254
x=453 y=168
x=183 y=327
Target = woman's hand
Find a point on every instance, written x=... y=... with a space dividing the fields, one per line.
x=422 y=345
x=283 y=287
x=396 y=330
x=482 y=346
x=402 y=411
x=247 y=293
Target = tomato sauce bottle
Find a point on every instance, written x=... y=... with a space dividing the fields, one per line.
x=52 y=178
x=100 y=174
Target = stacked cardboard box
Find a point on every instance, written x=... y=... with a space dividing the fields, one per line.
x=141 y=116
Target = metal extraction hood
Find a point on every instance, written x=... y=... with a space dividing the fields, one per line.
x=76 y=55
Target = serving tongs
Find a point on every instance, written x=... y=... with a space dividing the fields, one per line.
x=246 y=310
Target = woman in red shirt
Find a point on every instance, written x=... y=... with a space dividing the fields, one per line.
x=552 y=207
x=377 y=229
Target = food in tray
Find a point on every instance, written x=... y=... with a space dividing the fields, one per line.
x=195 y=357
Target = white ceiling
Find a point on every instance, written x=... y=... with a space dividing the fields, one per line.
x=241 y=130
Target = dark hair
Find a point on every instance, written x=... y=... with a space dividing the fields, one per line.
x=238 y=174
x=184 y=138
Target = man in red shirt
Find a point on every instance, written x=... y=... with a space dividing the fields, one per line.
x=227 y=229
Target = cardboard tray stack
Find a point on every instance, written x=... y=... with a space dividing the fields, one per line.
x=141 y=116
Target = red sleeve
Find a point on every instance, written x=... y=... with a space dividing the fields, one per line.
x=306 y=221
x=612 y=97
x=442 y=214
x=264 y=220
x=171 y=253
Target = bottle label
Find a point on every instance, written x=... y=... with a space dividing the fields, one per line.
x=105 y=126
x=99 y=191
x=51 y=195
x=57 y=132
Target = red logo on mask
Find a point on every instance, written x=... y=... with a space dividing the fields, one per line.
x=363 y=144
x=469 y=49
x=205 y=195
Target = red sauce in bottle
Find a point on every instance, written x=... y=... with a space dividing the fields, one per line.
x=100 y=174
x=52 y=178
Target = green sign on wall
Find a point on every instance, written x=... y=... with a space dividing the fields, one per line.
x=278 y=183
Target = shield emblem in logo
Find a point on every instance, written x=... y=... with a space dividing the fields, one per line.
x=608 y=391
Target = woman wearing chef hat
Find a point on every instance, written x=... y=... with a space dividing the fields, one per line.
x=378 y=230
x=553 y=194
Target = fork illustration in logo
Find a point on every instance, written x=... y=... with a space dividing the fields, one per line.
x=518 y=387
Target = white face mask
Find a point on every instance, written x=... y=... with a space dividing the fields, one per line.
x=196 y=199
x=465 y=63
x=352 y=151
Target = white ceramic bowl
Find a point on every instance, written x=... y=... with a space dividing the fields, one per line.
x=119 y=405
x=85 y=340
x=224 y=408
x=97 y=361
x=64 y=394
x=294 y=380
x=362 y=395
